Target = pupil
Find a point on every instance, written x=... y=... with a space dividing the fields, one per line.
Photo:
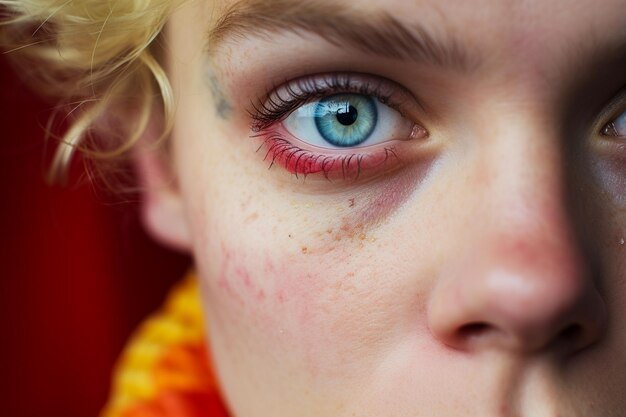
x=347 y=115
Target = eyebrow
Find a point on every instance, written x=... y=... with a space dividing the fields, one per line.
x=377 y=33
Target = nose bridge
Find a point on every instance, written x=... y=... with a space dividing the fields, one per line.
x=522 y=217
x=522 y=154
x=523 y=282
x=526 y=205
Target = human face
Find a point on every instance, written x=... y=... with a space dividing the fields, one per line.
x=466 y=259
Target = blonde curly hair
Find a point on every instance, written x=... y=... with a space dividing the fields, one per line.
x=100 y=59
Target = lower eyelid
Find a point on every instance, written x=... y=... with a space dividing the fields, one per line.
x=279 y=146
x=329 y=164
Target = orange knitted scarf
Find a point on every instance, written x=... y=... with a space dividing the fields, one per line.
x=164 y=370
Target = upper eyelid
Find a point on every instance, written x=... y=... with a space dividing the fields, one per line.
x=294 y=93
x=615 y=107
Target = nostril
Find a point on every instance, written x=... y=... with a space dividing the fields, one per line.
x=518 y=311
x=571 y=333
x=473 y=335
x=571 y=338
x=472 y=330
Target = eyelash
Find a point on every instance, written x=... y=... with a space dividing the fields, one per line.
x=301 y=162
x=283 y=100
x=275 y=107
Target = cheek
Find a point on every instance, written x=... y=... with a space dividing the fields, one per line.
x=609 y=168
x=295 y=282
x=273 y=296
x=285 y=293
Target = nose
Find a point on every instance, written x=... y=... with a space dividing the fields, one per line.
x=519 y=280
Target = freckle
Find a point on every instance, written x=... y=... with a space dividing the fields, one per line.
x=350 y=275
x=252 y=217
x=304 y=250
x=351 y=202
x=337 y=285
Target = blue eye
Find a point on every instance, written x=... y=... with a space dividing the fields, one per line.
x=347 y=120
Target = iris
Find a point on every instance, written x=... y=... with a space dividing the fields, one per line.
x=345 y=120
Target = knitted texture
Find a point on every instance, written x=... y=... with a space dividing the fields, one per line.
x=164 y=370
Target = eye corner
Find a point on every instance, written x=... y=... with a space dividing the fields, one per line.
x=418 y=132
x=609 y=130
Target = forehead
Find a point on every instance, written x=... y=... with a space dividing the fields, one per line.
x=527 y=49
x=531 y=51
x=497 y=29
x=527 y=30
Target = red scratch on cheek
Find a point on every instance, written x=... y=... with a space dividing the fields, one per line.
x=234 y=278
x=223 y=283
x=227 y=291
x=271 y=271
x=244 y=276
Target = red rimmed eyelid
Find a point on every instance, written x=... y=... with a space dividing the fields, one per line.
x=329 y=163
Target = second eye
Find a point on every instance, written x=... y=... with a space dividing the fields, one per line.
x=347 y=120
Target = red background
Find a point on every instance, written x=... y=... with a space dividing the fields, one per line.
x=77 y=273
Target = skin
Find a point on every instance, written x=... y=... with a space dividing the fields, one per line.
x=481 y=275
